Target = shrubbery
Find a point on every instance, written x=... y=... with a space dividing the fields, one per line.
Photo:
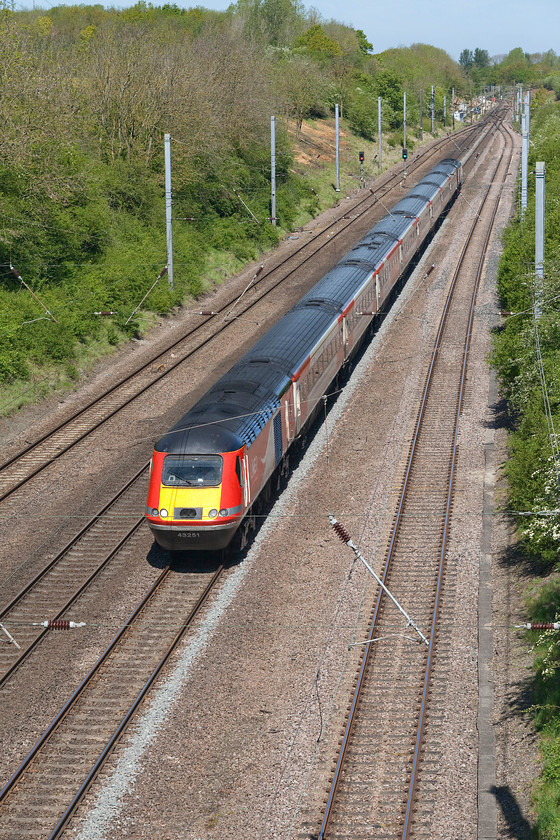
x=87 y=95
x=84 y=109
x=527 y=356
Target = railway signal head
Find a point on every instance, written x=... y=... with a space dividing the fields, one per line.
x=404 y=154
x=361 y=157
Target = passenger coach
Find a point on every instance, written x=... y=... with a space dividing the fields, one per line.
x=209 y=469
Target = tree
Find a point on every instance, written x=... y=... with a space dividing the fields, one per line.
x=466 y=59
x=389 y=87
x=274 y=22
x=315 y=40
x=300 y=86
x=481 y=58
x=516 y=67
x=363 y=43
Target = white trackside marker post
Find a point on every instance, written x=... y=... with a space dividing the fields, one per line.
x=341 y=531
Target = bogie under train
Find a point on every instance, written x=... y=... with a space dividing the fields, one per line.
x=210 y=468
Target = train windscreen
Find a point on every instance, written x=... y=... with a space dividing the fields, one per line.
x=192 y=470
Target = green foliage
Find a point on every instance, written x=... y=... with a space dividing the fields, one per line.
x=481 y=58
x=552 y=82
x=421 y=66
x=469 y=60
x=363 y=43
x=317 y=42
x=362 y=114
x=516 y=67
x=531 y=469
x=527 y=356
x=545 y=607
x=87 y=94
x=273 y=22
x=466 y=59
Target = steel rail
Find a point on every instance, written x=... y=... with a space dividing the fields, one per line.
x=84 y=787
x=72 y=699
x=91 y=521
x=42 y=633
x=365 y=659
x=417 y=747
x=42 y=741
x=395 y=177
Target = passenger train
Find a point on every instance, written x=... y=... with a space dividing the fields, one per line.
x=209 y=469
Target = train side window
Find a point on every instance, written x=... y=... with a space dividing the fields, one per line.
x=238 y=471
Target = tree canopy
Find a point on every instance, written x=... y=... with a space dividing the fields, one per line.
x=87 y=95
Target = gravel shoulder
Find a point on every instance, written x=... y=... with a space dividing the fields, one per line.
x=239 y=738
x=248 y=720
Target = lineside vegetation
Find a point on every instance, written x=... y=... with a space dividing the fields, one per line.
x=87 y=95
x=527 y=356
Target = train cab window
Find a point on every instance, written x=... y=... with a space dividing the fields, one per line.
x=238 y=471
x=192 y=470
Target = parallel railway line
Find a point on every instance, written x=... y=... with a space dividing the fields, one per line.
x=74 y=748
x=381 y=766
x=28 y=799
x=24 y=465
x=55 y=588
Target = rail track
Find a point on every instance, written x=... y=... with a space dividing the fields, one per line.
x=27 y=463
x=42 y=795
x=382 y=778
x=23 y=806
x=55 y=588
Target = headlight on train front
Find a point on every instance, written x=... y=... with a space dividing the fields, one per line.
x=163 y=513
x=155 y=512
x=212 y=513
x=223 y=512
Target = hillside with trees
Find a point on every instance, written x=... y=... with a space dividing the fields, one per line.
x=87 y=95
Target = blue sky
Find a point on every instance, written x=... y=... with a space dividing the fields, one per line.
x=494 y=25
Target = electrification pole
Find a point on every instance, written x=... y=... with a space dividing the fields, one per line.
x=337 y=149
x=539 y=235
x=273 y=170
x=453 y=107
x=168 y=208
x=404 y=120
x=524 y=162
x=433 y=111
x=379 y=132
x=422 y=114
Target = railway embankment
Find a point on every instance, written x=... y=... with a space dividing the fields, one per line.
x=525 y=354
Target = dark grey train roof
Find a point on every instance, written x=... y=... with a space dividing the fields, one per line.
x=410 y=206
x=231 y=413
x=288 y=343
x=239 y=405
